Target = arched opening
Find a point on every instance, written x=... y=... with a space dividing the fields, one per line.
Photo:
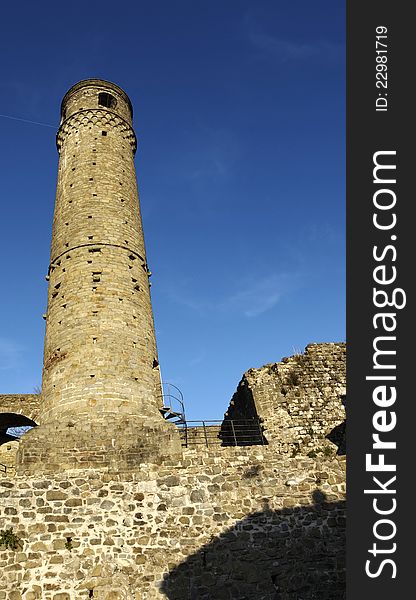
x=13 y=426
x=107 y=100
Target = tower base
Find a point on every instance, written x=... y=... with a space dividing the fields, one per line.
x=122 y=444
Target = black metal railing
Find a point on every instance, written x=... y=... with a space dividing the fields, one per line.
x=229 y=432
x=171 y=405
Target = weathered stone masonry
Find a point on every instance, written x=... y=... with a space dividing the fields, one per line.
x=106 y=504
x=299 y=399
x=100 y=359
x=217 y=523
x=234 y=523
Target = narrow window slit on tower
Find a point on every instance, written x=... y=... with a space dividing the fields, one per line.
x=94 y=250
x=133 y=280
x=137 y=287
x=95 y=312
x=91 y=179
x=73 y=168
x=90 y=237
x=121 y=299
x=63 y=305
x=94 y=288
x=67 y=245
x=68 y=256
x=58 y=285
x=54 y=294
x=155 y=363
x=90 y=216
x=121 y=199
x=94 y=163
x=66 y=223
x=92 y=376
x=94 y=340
x=132 y=257
x=104 y=133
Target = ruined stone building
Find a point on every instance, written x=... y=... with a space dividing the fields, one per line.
x=105 y=497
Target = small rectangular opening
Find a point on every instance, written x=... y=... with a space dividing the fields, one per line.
x=104 y=133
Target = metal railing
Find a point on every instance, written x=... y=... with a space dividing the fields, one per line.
x=171 y=404
x=229 y=432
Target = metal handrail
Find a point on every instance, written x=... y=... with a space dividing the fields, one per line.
x=176 y=398
x=228 y=432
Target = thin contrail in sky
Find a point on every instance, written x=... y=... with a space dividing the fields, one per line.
x=27 y=121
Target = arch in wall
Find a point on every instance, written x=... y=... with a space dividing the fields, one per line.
x=21 y=404
x=17 y=422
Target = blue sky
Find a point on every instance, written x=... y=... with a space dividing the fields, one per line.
x=239 y=111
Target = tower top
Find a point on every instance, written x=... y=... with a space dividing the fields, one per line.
x=96 y=93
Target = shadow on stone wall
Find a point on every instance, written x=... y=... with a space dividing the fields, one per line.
x=338 y=435
x=290 y=554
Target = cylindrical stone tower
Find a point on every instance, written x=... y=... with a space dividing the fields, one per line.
x=101 y=380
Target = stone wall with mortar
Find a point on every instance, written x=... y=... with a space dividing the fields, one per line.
x=217 y=523
x=299 y=399
x=224 y=523
x=27 y=405
x=100 y=358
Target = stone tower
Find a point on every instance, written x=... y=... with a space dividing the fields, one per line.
x=101 y=381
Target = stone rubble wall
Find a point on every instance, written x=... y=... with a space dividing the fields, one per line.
x=261 y=522
x=223 y=523
x=299 y=399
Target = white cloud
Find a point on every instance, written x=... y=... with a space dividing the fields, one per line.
x=287 y=50
x=257 y=297
x=251 y=297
